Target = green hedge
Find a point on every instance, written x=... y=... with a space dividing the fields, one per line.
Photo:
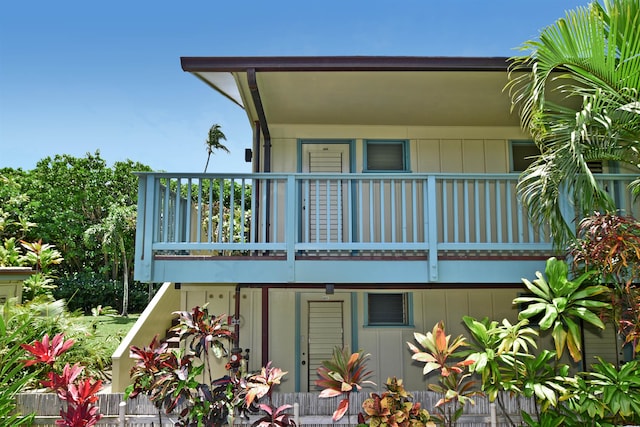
x=86 y=290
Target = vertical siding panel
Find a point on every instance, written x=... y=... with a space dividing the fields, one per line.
x=496 y=156
x=473 y=156
x=451 y=156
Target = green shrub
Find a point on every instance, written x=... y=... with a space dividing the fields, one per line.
x=43 y=316
x=13 y=376
x=87 y=290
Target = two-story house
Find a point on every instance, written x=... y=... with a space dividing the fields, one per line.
x=382 y=200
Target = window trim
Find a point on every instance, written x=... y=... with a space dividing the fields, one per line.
x=407 y=312
x=405 y=154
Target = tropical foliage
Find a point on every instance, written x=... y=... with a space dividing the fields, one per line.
x=13 y=376
x=344 y=373
x=176 y=379
x=563 y=303
x=610 y=245
x=576 y=90
x=395 y=407
x=454 y=382
x=76 y=391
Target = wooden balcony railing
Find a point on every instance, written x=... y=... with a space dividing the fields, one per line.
x=296 y=215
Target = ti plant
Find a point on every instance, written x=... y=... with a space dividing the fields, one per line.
x=394 y=408
x=610 y=244
x=341 y=375
x=80 y=393
x=562 y=304
x=454 y=383
x=204 y=334
x=173 y=378
x=261 y=385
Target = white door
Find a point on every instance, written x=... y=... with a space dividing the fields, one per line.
x=325 y=325
x=324 y=201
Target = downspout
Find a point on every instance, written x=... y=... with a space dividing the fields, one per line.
x=266 y=167
x=255 y=169
x=236 y=318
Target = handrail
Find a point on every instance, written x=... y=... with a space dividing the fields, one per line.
x=332 y=212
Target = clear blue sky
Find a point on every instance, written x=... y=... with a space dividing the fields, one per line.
x=81 y=76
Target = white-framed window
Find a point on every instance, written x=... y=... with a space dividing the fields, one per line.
x=386 y=155
x=388 y=309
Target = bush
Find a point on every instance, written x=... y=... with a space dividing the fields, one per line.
x=86 y=290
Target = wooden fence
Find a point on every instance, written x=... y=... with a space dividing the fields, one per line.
x=309 y=409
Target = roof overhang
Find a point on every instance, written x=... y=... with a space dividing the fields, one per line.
x=363 y=90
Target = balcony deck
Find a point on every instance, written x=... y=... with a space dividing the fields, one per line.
x=339 y=228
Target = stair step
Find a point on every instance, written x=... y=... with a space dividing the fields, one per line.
x=172 y=342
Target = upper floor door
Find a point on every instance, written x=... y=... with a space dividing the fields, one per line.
x=324 y=201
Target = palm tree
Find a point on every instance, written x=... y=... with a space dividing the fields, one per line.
x=213 y=142
x=112 y=232
x=590 y=62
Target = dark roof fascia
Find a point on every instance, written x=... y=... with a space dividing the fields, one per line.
x=343 y=63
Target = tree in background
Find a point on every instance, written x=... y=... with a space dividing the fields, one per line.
x=590 y=61
x=67 y=195
x=213 y=142
x=58 y=202
x=114 y=232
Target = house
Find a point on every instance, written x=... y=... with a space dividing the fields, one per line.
x=381 y=200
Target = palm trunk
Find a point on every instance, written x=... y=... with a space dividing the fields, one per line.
x=125 y=292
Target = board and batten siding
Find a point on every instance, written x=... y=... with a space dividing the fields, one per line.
x=387 y=346
x=431 y=149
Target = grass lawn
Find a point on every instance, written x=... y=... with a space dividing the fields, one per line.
x=108 y=330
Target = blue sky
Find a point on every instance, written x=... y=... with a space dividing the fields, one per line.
x=81 y=76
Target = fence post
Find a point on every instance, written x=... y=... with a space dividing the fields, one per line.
x=492 y=410
x=122 y=411
x=296 y=413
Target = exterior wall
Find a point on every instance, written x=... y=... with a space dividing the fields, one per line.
x=432 y=149
x=386 y=345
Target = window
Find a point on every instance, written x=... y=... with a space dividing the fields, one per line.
x=388 y=309
x=383 y=156
x=523 y=153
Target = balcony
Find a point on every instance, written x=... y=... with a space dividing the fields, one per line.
x=340 y=228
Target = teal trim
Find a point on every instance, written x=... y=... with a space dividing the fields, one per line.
x=297 y=328
x=354 y=322
x=405 y=154
x=408 y=314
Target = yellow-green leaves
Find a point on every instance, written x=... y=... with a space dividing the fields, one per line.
x=561 y=302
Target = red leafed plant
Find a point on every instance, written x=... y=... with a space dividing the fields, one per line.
x=610 y=244
x=46 y=351
x=261 y=385
x=79 y=392
x=341 y=375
